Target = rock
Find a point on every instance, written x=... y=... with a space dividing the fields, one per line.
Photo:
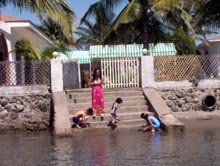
x=196 y=100
x=42 y=107
x=19 y=108
x=175 y=109
x=13 y=115
x=9 y=107
x=180 y=103
x=170 y=103
x=3 y=114
x=172 y=97
x=42 y=126
x=29 y=127
x=186 y=107
x=188 y=99
x=1 y=108
x=4 y=102
x=180 y=94
x=27 y=116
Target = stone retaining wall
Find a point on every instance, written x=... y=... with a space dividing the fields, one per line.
x=25 y=112
x=182 y=100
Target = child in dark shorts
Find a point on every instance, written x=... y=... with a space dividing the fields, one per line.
x=80 y=119
x=115 y=118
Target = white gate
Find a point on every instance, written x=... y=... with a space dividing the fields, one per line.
x=120 y=72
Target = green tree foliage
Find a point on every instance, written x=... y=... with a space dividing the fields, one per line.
x=155 y=21
x=54 y=31
x=57 y=10
x=30 y=52
x=95 y=32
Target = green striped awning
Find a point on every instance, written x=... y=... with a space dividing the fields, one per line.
x=106 y=51
x=162 y=49
x=131 y=50
x=81 y=56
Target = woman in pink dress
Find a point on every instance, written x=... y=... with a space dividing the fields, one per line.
x=97 y=94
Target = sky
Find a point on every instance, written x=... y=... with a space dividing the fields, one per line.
x=78 y=6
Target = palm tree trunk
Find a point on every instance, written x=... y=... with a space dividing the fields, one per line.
x=144 y=22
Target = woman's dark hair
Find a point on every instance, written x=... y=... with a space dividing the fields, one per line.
x=119 y=100
x=89 y=111
x=94 y=74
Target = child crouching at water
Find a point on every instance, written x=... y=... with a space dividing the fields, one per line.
x=115 y=118
x=152 y=123
x=80 y=119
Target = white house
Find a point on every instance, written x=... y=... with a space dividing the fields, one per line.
x=13 y=29
x=212 y=47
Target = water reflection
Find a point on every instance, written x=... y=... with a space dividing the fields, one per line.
x=113 y=148
x=62 y=152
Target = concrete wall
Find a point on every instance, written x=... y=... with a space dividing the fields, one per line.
x=25 y=108
x=188 y=99
x=25 y=112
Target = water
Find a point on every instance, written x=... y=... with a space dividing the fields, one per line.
x=114 y=148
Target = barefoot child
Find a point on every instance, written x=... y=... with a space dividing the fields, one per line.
x=152 y=123
x=80 y=119
x=115 y=118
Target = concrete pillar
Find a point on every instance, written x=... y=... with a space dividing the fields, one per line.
x=147 y=71
x=56 y=75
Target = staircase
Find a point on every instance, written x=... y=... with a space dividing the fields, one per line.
x=133 y=105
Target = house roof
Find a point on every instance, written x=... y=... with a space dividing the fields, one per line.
x=6 y=18
x=215 y=38
x=23 y=28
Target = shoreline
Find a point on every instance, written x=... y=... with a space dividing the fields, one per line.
x=199 y=119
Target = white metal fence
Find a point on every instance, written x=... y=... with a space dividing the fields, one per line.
x=120 y=72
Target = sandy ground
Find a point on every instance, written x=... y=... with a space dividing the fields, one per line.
x=200 y=119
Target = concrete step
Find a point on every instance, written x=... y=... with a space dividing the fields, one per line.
x=129 y=122
x=122 y=116
x=105 y=90
x=77 y=131
x=106 y=94
x=123 y=109
x=108 y=104
x=107 y=99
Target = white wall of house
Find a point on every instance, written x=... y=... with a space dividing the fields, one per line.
x=14 y=31
x=214 y=48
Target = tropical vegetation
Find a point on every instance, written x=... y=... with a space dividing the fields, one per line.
x=25 y=48
x=152 y=21
x=56 y=10
x=95 y=32
x=57 y=21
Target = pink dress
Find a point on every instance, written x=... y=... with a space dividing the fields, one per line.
x=97 y=97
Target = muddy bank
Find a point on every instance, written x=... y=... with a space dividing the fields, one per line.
x=200 y=119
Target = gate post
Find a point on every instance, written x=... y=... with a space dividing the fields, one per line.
x=147 y=71
x=56 y=75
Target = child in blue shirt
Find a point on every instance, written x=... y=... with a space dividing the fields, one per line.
x=115 y=118
x=152 y=123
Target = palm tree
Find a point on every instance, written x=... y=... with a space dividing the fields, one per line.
x=25 y=48
x=95 y=32
x=144 y=11
x=57 y=10
x=55 y=33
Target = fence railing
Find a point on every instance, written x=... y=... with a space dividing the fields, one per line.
x=24 y=73
x=176 y=68
x=120 y=72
